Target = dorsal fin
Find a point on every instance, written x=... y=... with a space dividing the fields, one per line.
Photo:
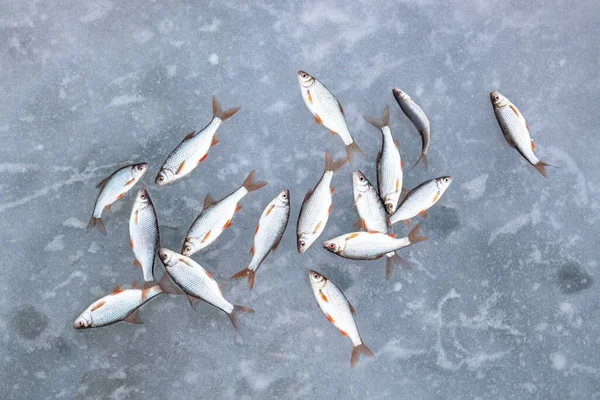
x=117 y=289
x=102 y=183
x=134 y=285
x=190 y=135
x=208 y=201
x=307 y=194
x=352 y=310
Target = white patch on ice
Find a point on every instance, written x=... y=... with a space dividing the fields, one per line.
x=125 y=99
x=18 y=167
x=40 y=375
x=475 y=187
x=512 y=226
x=96 y=10
x=212 y=27
x=74 y=223
x=171 y=70
x=213 y=59
x=57 y=244
x=559 y=361
x=279 y=107
x=143 y=36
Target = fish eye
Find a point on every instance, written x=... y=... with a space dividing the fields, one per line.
x=140 y=167
x=161 y=178
x=188 y=249
x=362 y=179
x=316 y=276
x=302 y=244
x=390 y=206
x=143 y=196
x=284 y=196
x=304 y=75
x=496 y=98
x=332 y=246
x=163 y=256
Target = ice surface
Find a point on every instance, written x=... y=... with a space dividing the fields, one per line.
x=502 y=300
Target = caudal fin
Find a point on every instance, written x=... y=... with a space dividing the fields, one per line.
x=250 y=185
x=413 y=235
x=541 y=167
x=357 y=351
x=246 y=272
x=385 y=119
x=223 y=115
x=422 y=158
x=235 y=312
x=352 y=149
x=96 y=222
x=331 y=165
x=394 y=260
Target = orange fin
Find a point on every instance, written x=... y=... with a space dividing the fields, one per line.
x=192 y=300
x=307 y=195
x=352 y=310
x=397 y=143
x=358 y=225
x=97 y=305
x=133 y=318
x=227 y=224
x=517 y=113
x=206 y=237
x=237 y=309
x=413 y=235
x=135 y=285
x=532 y=145
x=202 y=158
x=276 y=245
x=252 y=250
x=117 y=289
x=209 y=275
x=208 y=201
x=392 y=235
x=333 y=133
x=136 y=263
x=135 y=219
x=214 y=142
x=541 y=167
x=269 y=210
x=131 y=242
x=353 y=149
x=436 y=198
x=423 y=213
x=190 y=135
x=238 y=207
x=246 y=272
x=341 y=108
x=398 y=184
x=108 y=207
x=309 y=97
x=332 y=189
x=317 y=227
x=249 y=183
x=352 y=235
x=129 y=182
x=324 y=298
x=329 y=210
x=330 y=319
x=318 y=119
x=343 y=333
x=256 y=230
x=219 y=113
x=180 y=168
x=407 y=222
x=119 y=197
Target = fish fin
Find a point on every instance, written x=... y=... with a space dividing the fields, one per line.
x=136 y=263
x=323 y=297
x=237 y=309
x=403 y=193
x=352 y=149
x=276 y=245
x=317 y=227
x=384 y=121
x=249 y=183
x=357 y=351
x=339 y=163
x=190 y=135
x=146 y=288
x=222 y=286
x=341 y=108
x=423 y=214
x=227 y=224
x=97 y=305
x=398 y=184
x=252 y=250
x=407 y=223
x=359 y=224
x=413 y=235
x=192 y=300
x=527 y=126
x=206 y=237
x=378 y=157
x=108 y=207
x=246 y=272
x=351 y=236
x=129 y=182
x=117 y=289
x=307 y=195
x=208 y=201
x=269 y=210
x=532 y=145
x=222 y=115
x=541 y=167
x=422 y=158
x=352 y=310
x=257 y=227
x=330 y=318
x=332 y=132
x=101 y=184
x=96 y=222
x=119 y=197
x=133 y=318
x=238 y=207
x=397 y=143
x=135 y=285
x=168 y=286
x=332 y=189
x=309 y=97
x=515 y=110
x=343 y=333
x=214 y=142
x=394 y=260
x=510 y=143
x=331 y=165
x=318 y=120
x=202 y=158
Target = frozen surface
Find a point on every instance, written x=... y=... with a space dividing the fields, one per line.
x=502 y=300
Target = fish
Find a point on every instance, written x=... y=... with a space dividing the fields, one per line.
x=120 y=305
x=216 y=216
x=338 y=310
x=515 y=130
x=373 y=245
x=371 y=211
x=327 y=110
x=197 y=284
x=194 y=148
x=316 y=206
x=268 y=234
x=113 y=188
x=389 y=163
x=418 y=118
x=420 y=199
x=144 y=237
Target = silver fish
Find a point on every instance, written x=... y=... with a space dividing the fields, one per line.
x=418 y=118
x=144 y=238
x=515 y=130
x=338 y=311
x=327 y=110
x=420 y=199
x=194 y=147
x=114 y=188
x=389 y=163
x=268 y=234
x=197 y=284
x=373 y=245
x=369 y=206
x=316 y=206
x=216 y=217
x=120 y=305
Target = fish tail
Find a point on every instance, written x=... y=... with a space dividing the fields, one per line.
x=413 y=235
x=541 y=167
x=357 y=351
x=394 y=260
x=96 y=222
x=249 y=183
x=352 y=149
x=422 y=158
x=246 y=272
x=237 y=309
x=222 y=115
x=385 y=119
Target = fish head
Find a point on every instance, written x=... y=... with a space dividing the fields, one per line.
x=305 y=80
x=283 y=198
x=137 y=170
x=400 y=95
x=359 y=182
x=164 y=176
x=443 y=182
x=334 y=245
x=317 y=280
x=168 y=257
x=191 y=246
x=304 y=242
x=142 y=200
x=83 y=321
x=498 y=100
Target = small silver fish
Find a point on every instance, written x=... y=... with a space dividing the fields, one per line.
x=389 y=163
x=114 y=188
x=418 y=118
x=327 y=110
x=316 y=206
x=515 y=130
x=373 y=245
x=194 y=148
x=144 y=238
x=216 y=217
x=120 y=305
x=268 y=234
x=420 y=199
x=371 y=211
x=338 y=310
x=197 y=284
